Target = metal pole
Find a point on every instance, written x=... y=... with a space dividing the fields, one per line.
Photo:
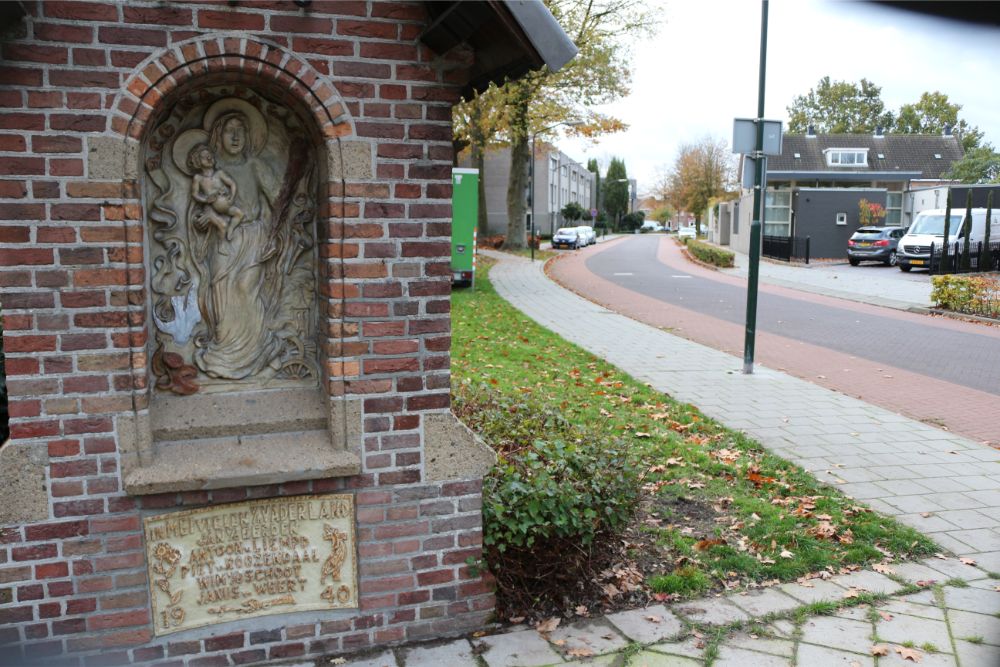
x=531 y=173
x=758 y=197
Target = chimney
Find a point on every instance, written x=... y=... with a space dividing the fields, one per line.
x=879 y=131
x=947 y=131
x=810 y=130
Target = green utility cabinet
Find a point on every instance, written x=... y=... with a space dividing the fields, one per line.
x=464 y=218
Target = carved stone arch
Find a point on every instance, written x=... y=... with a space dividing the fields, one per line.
x=260 y=81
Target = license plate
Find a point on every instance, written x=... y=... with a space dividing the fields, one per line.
x=864 y=245
x=917 y=262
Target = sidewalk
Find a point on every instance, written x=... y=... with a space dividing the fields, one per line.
x=868 y=283
x=946 y=486
x=776 y=626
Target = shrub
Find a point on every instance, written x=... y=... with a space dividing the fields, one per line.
x=710 y=254
x=632 y=221
x=972 y=294
x=556 y=499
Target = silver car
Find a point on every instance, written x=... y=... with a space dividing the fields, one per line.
x=587 y=235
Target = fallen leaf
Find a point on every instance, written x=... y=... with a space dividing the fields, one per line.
x=549 y=625
x=883 y=568
x=579 y=653
x=880 y=649
x=855 y=663
x=641 y=434
x=851 y=593
x=559 y=642
x=582 y=611
x=886 y=616
x=338 y=661
x=909 y=653
x=924 y=583
x=785 y=553
x=654 y=619
x=517 y=619
x=701 y=545
x=967 y=561
x=926 y=514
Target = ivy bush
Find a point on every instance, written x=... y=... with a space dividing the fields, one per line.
x=972 y=294
x=557 y=499
x=710 y=254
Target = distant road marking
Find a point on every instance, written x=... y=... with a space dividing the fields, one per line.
x=680 y=276
x=624 y=274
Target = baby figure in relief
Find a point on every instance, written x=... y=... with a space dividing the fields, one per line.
x=215 y=190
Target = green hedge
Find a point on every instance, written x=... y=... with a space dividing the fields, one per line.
x=972 y=294
x=710 y=254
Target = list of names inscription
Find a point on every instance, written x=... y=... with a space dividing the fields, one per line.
x=254 y=558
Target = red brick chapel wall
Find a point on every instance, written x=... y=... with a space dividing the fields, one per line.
x=73 y=286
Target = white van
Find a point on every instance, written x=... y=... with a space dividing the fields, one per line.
x=928 y=228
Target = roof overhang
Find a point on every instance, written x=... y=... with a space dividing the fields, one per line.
x=842 y=175
x=509 y=37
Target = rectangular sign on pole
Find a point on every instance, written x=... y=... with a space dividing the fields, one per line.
x=745 y=136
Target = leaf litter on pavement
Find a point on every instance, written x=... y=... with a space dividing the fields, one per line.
x=718 y=512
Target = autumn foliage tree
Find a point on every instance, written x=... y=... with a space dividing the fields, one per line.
x=599 y=74
x=702 y=170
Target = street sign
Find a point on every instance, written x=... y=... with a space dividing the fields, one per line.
x=745 y=136
x=593 y=213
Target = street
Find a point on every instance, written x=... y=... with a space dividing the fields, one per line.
x=937 y=370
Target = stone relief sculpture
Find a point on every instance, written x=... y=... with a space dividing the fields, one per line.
x=231 y=203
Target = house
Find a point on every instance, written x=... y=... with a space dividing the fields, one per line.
x=815 y=185
x=559 y=180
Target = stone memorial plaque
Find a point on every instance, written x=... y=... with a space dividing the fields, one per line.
x=272 y=556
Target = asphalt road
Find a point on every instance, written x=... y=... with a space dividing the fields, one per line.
x=965 y=355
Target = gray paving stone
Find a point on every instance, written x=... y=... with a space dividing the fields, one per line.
x=857 y=613
x=384 y=659
x=902 y=628
x=808 y=654
x=820 y=590
x=866 y=580
x=926 y=659
x=524 y=648
x=783 y=628
x=458 y=653
x=647 y=626
x=780 y=647
x=968 y=624
x=715 y=611
x=763 y=602
x=911 y=608
x=840 y=633
x=738 y=657
x=597 y=636
x=651 y=659
x=977 y=655
x=952 y=567
x=980 y=539
x=973 y=599
x=691 y=647
x=968 y=518
x=914 y=572
x=609 y=660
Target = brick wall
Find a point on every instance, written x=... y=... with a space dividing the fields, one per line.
x=73 y=296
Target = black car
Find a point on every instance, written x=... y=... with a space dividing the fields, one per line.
x=874 y=244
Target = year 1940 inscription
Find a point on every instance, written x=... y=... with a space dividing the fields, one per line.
x=251 y=559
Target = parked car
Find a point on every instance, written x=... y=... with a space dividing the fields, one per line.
x=687 y=233
x=874 y=244
x=587 y=235
x=566 y=237
x=651 y=226
x=928 y=228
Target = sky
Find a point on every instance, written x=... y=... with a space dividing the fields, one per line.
x=699 y=71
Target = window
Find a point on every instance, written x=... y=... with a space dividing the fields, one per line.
x=847 y=157
x=893 y=208
x=778 y=213
x=841 y=218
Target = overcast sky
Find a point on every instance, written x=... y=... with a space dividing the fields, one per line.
x=700 y=70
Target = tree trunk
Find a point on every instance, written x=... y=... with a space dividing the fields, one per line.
x=517 y=184
x=477 y=141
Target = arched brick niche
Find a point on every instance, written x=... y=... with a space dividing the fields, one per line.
x=232 y=385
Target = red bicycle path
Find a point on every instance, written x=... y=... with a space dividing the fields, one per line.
x=962 y=410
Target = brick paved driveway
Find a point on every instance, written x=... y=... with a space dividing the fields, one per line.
x=938 y=370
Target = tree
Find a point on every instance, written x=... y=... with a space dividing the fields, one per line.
x=870 y=214
x=702 y=170
x=599 y=74
x=979 y=165
x=931 y=114
x=615 y=193
x=840 y=107
x=593 y=168
x=572 y=212
x=662 y=213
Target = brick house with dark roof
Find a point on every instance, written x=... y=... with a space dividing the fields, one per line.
x=815 y=184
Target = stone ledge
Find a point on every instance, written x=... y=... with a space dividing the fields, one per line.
x=219 y=463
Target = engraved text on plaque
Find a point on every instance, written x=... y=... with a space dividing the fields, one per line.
x=254 y=558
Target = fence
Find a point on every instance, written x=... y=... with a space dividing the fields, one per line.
x=786 y=248
x=980 y=258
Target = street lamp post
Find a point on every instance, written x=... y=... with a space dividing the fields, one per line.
x=531 y=178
